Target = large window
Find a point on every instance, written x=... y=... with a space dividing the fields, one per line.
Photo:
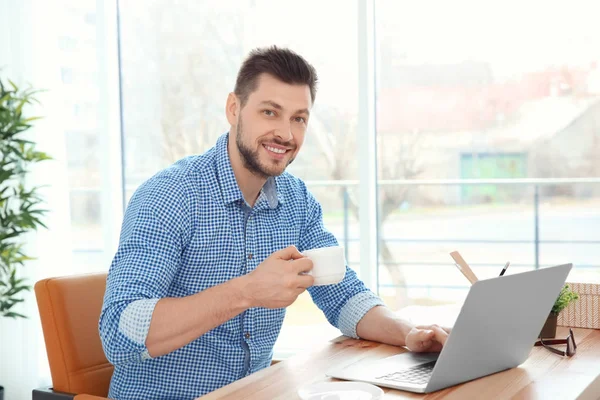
x=510 y=92
x=78 y=63
x=178 y=63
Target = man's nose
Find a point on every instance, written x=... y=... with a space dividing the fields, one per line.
x=284 y=132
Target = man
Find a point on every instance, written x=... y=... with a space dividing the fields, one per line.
x=210 y=252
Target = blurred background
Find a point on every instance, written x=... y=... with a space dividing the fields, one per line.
x=485 y=118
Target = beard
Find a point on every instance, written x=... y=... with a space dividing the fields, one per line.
x=251 y=158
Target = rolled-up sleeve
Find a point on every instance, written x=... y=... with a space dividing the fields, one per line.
x=153 y=236
x=345 y=303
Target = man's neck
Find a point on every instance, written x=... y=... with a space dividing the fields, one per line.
x=249 y=183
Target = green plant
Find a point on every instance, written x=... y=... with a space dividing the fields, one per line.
x=19 y=205
x=565 y=297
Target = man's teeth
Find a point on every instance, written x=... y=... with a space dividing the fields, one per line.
x=274 y=150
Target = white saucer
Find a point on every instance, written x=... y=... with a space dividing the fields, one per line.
x=340 y=391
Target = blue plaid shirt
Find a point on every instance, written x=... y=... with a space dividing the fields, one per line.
x=187 y=229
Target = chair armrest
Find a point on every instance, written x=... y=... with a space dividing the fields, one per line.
x=49 y=394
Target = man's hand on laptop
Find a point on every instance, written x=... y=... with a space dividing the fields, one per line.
x=427 y=338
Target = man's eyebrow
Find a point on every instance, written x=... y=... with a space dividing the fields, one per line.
x=271 y=103
x=279 y=107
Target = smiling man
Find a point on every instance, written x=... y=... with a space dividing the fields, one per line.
x=210 y=252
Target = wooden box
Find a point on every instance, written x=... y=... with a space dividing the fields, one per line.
x=584 y=312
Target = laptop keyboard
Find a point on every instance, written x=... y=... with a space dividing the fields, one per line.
x=416 y=375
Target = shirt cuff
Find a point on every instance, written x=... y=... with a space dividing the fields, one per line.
x=135 y=322
x=354 y=310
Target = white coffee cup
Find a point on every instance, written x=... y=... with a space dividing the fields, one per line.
x=329 y=265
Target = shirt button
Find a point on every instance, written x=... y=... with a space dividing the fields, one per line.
x=250 y=256
x=247 y=335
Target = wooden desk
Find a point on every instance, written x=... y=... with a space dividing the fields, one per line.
x=543 y=376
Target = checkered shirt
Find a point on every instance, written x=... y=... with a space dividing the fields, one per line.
x=187 y=229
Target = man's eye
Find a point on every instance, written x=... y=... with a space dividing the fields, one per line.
x=268 y=113
x=302 y=120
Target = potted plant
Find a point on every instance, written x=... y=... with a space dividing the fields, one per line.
x=566 y=297
x=20 y=210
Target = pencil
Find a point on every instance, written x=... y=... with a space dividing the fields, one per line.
x=462 y=265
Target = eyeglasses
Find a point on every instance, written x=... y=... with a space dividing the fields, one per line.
x=569 y=341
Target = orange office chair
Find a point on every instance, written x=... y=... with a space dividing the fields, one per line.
x=69 y=310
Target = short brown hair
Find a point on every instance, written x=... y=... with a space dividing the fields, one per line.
x=281 y=63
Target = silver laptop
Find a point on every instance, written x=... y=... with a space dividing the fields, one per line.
x=498 y=324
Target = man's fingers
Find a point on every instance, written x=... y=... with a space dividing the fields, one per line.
x=431 y=333
x=424 y=335
x=305 y=281
x=419 y=339
x=439 y=334
x=427 y=338
x=302 y=266
x=298 y=291
x=444 y=328
x=289 y=253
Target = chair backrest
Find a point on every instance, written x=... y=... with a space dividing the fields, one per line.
x=69 y=310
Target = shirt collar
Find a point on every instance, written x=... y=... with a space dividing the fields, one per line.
x=229 y=187
x=269 y=193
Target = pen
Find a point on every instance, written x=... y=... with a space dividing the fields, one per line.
x=504 y=269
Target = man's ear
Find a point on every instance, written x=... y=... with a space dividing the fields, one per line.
x=232 y=109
